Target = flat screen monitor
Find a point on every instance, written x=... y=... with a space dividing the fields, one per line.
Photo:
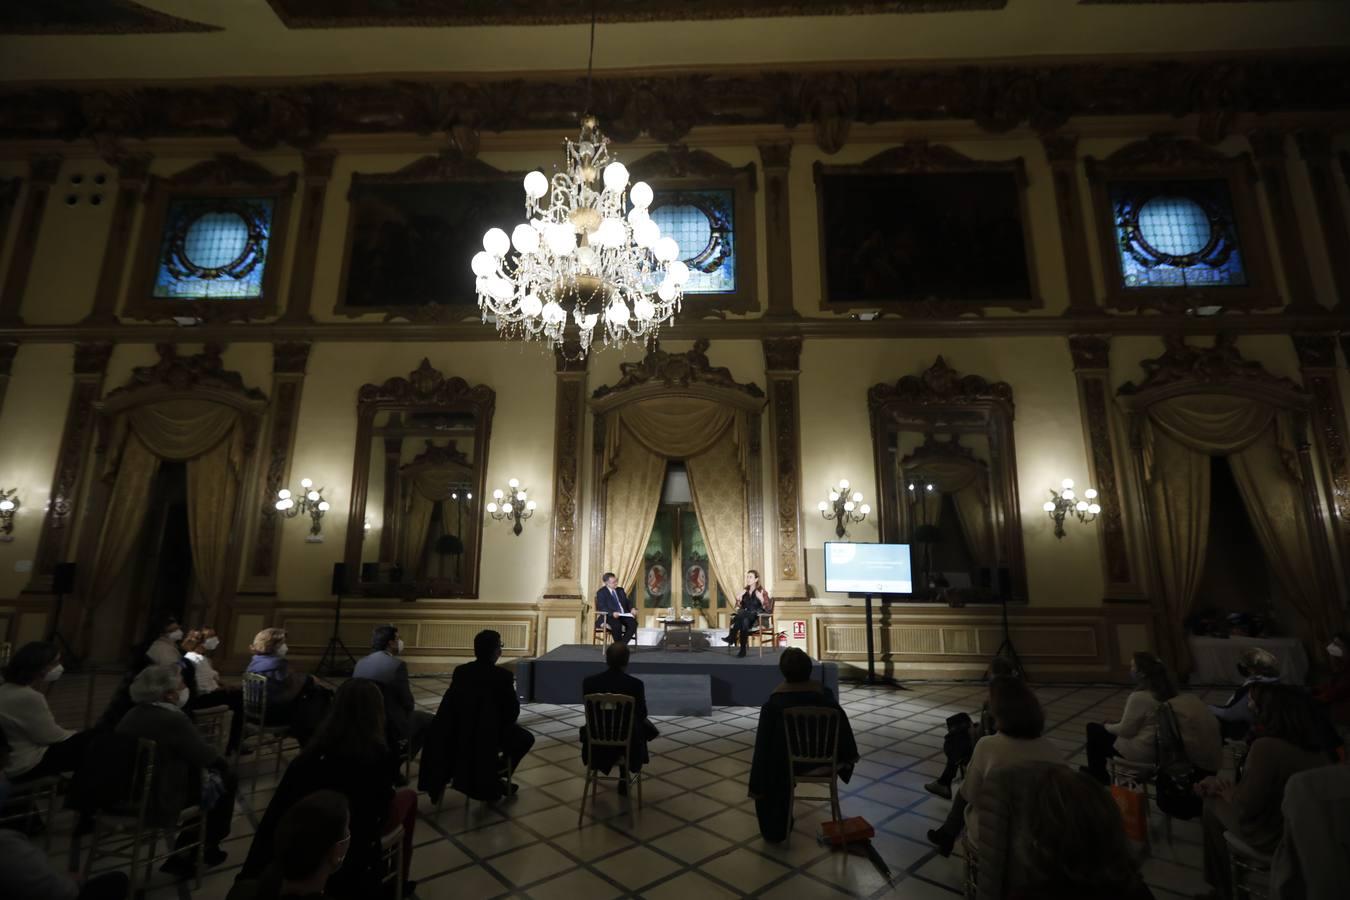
x=867 y=568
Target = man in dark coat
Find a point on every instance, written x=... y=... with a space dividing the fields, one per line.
x=770 y=784
x=614 y=680
x=474 y=727
x=612 y=606
x=385 y=667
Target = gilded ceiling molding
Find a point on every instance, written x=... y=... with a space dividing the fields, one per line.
x=451 y=13
x=564 y=576
x=665 y=106
x=50 y=17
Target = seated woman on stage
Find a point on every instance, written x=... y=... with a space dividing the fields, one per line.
x=754 y=600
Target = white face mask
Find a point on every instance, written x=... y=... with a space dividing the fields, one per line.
x=54 y=672
x=282 y=650
x=211 y=643
x=176 y=635
x=1335 y=649
x=183 y=696
x=400 y=645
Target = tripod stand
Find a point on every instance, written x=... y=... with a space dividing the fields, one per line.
x=1007 y=646
x=329 y=663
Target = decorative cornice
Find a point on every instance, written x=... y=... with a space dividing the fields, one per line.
x=940 y=385
x=424 y=13
x=92 y=358
x=448 y=165
x=998 y=97
x=922 y=156
x=1090 y=351
x=290 y=357
x=676 y=370
x=426 y=386
x=1061 y=149
x=181 y=373
x=679 y=161
x=1182 y=362
x=1315 y=351
x=783 y=354
x=1162 y=151
x=226 y=170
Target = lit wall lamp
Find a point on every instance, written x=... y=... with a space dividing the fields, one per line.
x=514 y=503
x=311 y=501
x=9 y=501
x=1066 y=501
x=843 y=507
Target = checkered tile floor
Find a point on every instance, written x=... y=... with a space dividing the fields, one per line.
x=696 y=835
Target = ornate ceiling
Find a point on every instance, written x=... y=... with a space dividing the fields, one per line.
x=89 y=17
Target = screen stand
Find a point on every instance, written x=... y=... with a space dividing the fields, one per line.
x=872 y=676
x=1006 y=648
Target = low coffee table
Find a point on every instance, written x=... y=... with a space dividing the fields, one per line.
x=679 y=625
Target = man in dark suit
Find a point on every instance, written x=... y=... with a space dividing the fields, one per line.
x=614 y=680
x=610 y=604
x=384 y=667
x=475 y=727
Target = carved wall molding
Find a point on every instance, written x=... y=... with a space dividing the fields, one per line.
x=997 y=96
x=289 y=360
x=564 y=546
x=777 y=157
x=318 y=169
x=940 y=385
x=782 y=363
x=660 y=368
x=427 y=385
x=42 y=174
x=203 y=371
x=1185 y=365
x=1061 y=151
x=1317 y=366
x=56 y=539
x=424 y=13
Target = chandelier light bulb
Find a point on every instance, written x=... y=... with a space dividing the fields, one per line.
x=1094 y=508
x=501 y=288
x=640 y=195
x=857 y=496
x=848 y=506
x=616 y=176
x=324 y=506
x=1067 y=494
x=520 y=495
x=1048 y=506
x=531 y=505
x=843 y=484
x=677 y=273
x=483 y=264
x=1081 y=506
x=281 y=505
x=306 y=483
x=666 y=249
x=312 y=496
x=834 y=495
x=1090 y=493
x=284 y=494
x=553 y=313
x=525 y=239
x=911 y=487
x=864 y=509
x=491 y=507
x=536 y=185
x=644 y=309
x=496 y=243
x=617 y=313
x=6 y=505
x=497 y=494
x=928 y=487
x=822 y=506
x=468 y=495
x=667 y=291
x=561 y=238
x=646 y=233
x=506 y=508
x=1067 y=484
x=638 y=215
x=513 y=483
x=530 y=305
x=586 y=258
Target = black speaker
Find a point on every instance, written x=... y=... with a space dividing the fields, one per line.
x=339 y=583
x=63 y=578
x=370 y=572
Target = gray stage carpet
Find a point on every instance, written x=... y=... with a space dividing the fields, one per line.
x=556 y=676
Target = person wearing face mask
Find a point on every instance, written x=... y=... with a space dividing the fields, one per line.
x=183 y=759
x=40 y=747
x=163 y=650
x=198 y=646
x=1335 y=692
x=293 y=698
x=384 y=665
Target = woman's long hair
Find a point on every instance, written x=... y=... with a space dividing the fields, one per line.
x=1154 y=677
x=765 y=601
x=354 y=726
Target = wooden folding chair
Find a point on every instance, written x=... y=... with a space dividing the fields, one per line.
x=609 y=725
x=812 y=734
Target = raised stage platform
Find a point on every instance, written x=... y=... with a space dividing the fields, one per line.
x=556 y=676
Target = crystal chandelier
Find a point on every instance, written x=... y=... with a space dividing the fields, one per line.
x=588 y=250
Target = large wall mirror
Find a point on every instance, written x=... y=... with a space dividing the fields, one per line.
x=416 y=515
x=947 y=478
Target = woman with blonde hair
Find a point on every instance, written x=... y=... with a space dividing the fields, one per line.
x=286 y=690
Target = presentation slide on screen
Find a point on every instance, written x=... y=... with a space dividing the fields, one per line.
x=868 y=569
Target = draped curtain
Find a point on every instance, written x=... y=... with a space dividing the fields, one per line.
x=967 y=482
x=1179 y=436
x=207 y=436
x=711 y=439
x=425 y=487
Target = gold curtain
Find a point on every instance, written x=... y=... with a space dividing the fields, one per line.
x=185 y=429
x=718 y=486
x=1219 y=425
x=967 y=482
x=127 y=506
x=676 y=428
x=212 y=488
x=632 y=495
x=417 y=511
x=1275 y=506
x=1179 y=495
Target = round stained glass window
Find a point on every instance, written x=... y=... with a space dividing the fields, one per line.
x=215 y=239
x=1175 y=226
x=688 y=225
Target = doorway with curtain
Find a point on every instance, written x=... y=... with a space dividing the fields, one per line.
x=162 y=572
x=677 y=573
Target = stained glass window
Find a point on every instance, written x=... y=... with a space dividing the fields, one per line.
x=1177 y=234
x=703 y=224
x=214 y=249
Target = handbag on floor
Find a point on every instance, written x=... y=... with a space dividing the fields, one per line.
x=1133 y=806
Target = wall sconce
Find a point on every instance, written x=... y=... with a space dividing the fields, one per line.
x=513 y=503
x=9 y=501
x=311 y=501
x=1066 y=501
x=843 y=508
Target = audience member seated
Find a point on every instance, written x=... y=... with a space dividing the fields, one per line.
x=39 y=746
x=1256 y=666
x=770 y=782
x=163 y=649
x=1019 y=722
x=26 y=873
x=1335 y=692
x=313 y=840
x=293 y=698
x=1291 y=737
x=615 y=680
x=1134 y=737
x=384 y=666
x=1311 y=862
x=475 y=727
x=188 y=770
x=962 y=735
x=1050 y=833
x=206 y=687
x=349 y=755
